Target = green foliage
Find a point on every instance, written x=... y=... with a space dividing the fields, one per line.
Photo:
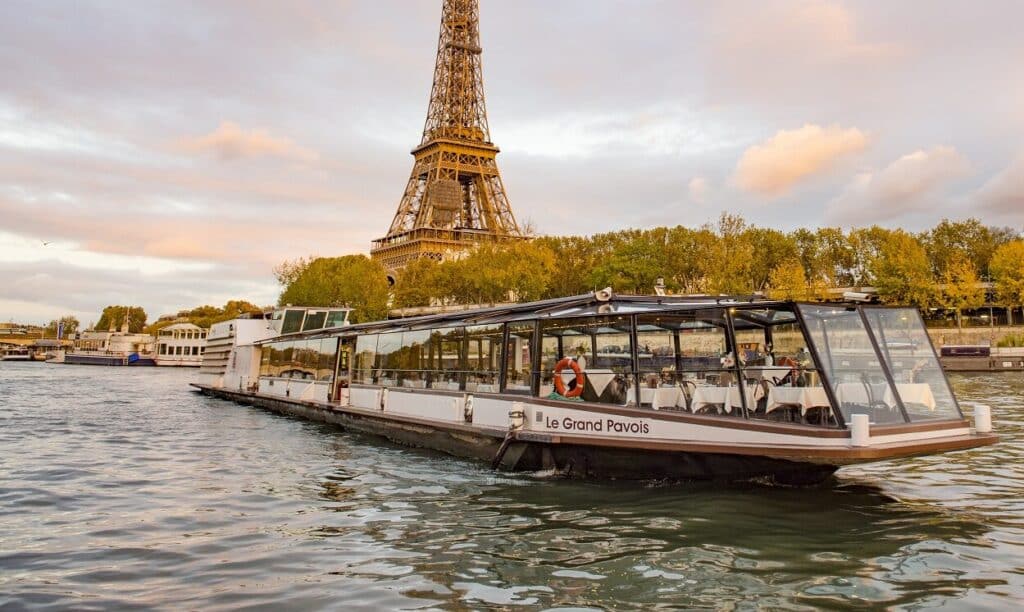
x=113 y=317
x=71 y=326
x=205 y=316
x=901 y=270
x=725 y=257
x=1011 y=341
x=960 y=288
x=788 y=281
x=417 y=283
x=1007 y=268
x=350 y=280
x=966 y=239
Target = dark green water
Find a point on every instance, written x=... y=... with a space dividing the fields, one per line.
x=119 y=488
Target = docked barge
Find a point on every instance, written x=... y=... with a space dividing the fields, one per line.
x=607 y=386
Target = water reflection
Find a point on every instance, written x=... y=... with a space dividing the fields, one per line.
x=522 y=541
x=132 y=492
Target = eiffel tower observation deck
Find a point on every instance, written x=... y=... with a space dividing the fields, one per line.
x=455 y=197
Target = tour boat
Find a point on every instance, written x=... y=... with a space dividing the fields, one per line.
x=610 y=386
x=15 y=354
x=180 y=344
x=111 y=348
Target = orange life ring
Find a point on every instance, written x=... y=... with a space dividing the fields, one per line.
x=560 y=384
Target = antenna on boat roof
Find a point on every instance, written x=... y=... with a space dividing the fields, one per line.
x=603 y=295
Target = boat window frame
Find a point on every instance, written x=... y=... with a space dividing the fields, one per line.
x=887 y=358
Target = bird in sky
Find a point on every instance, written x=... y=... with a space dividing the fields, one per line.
x=45 y=243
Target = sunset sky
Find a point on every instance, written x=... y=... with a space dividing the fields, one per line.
x=171 y=153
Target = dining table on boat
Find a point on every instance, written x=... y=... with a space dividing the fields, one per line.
x=803 y=397
x=727 y=397
x=669 y=396
x=865 y=393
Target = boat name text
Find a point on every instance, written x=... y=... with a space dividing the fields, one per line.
x=597 y=425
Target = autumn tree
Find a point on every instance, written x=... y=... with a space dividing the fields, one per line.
x=576 y=256
x=788 y=281
x=636 y=263
x=113 y=318
x=351 y=280
x=967 y=238
x=71 y=326
x=901 y=271
x=418 y=283
x=772 y=249
x=1007 y=268
x=730 y=257
x=865 y=250
x=961 y=289
x=493 y=273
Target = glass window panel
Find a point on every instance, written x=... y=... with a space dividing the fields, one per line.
x=314 y=319
x=518 y=367
x=308 y=355
x=601 y=347
x=389 y=358
x=483 y=357
x=327 y=356
x=292 y=321
x=683 y=351
x=412 y=358
x=908 y=351
x=287 y=354
x=265 y=352
x=849 y=360
x=365 y=359
x=782 y=381
x=336 y=318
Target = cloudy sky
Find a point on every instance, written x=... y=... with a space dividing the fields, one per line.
x=169 y=154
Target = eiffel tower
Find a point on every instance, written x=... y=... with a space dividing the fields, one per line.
x=455 y=197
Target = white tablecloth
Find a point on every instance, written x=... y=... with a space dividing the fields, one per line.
x=727 y=396
x=859 y=393
x=917 y=393
x=662 y=397
x=804 y=397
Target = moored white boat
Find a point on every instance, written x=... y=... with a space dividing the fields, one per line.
x=614 y=386
x=15 y=354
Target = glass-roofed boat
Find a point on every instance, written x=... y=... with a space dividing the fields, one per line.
x=601 y=385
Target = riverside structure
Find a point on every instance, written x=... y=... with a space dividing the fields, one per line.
x=610 y=386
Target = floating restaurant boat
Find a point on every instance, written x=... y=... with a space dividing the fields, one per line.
x=15 y=354
x=600 y=385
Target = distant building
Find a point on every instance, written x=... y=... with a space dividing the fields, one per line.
x=181 y=344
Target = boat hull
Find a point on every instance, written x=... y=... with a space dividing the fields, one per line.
x=106 y=360
x=532 y=452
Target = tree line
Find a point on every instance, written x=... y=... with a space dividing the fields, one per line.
x=940 y=268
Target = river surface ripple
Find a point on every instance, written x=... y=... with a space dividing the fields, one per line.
x=120 y=488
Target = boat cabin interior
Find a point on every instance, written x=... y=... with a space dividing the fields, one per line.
x=812 y=364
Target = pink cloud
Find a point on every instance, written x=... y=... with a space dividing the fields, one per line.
x=230 y=141
x=910 y=184
x=790 y=156
x=1004 y=192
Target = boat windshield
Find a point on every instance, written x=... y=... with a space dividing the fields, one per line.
x=879 y=362
x=915 y=368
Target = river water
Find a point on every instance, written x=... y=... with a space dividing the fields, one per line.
x=120 y=488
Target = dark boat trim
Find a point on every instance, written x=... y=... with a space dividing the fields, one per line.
x=817 y=455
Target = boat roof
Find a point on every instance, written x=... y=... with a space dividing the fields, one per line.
x=585 y=305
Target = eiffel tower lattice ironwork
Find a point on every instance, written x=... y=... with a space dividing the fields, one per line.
x=455 y=197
